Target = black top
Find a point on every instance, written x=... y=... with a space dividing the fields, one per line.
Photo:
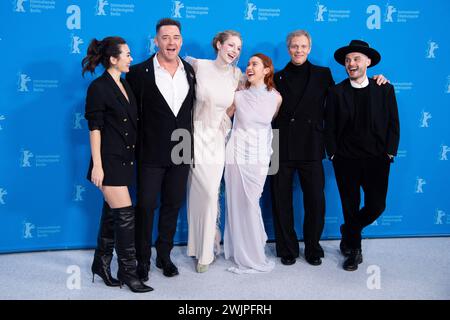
x=109 y=111
x=299 y=76
x=359 y=140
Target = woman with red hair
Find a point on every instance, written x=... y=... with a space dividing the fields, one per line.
x=246 y=166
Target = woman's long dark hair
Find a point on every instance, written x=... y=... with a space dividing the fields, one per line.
x=99 y=52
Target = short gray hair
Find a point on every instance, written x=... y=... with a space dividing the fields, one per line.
x=298 y=33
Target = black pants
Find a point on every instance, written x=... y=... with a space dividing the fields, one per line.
x=312 y=181
x=372 y=176
x=170 y=182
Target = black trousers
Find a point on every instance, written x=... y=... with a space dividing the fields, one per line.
x=372 y=176
x=170 y=182
x=312 y=182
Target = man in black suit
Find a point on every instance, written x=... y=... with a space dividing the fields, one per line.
x=362 y=136
x=164 y=89
x=304 y=87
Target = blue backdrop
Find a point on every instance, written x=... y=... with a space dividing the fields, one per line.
x=45 y=200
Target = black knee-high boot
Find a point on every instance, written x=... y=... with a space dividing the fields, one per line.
x=125 y=249
x=105 y=246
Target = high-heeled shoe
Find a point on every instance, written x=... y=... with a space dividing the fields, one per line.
x=126 y=252
x=134 y=284
x=103 y=270
x=105 y=246
x=202 y=267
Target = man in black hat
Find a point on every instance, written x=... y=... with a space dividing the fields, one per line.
x=362 y=133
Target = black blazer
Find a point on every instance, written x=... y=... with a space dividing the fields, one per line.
x=384 y=114
x=108 y=110
x=156 y=119
x=300 y=123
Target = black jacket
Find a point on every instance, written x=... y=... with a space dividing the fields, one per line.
x=300 y=123
x=384 y=114
x=157 y=121
x=108 y=110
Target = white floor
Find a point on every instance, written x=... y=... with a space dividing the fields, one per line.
x=409 y=268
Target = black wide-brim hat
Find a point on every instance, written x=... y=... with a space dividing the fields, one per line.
x=357 y=46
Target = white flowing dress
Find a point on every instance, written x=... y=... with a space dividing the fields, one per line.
x=248 y=154
x=215 y=90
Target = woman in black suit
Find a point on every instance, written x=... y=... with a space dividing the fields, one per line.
x=111 y=113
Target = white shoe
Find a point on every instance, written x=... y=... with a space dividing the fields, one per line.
x=202 y=267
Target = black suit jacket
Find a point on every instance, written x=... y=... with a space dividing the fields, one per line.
x=384 y=114
x=300 y=123
x=108 y=110
x=157 y=121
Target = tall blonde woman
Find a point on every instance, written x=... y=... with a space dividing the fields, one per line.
x=217 y=81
